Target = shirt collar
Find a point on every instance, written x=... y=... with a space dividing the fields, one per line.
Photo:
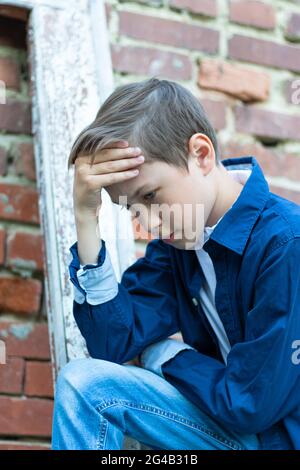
x=235 y=226
x=240 y=176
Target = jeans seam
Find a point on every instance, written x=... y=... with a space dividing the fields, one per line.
x=171 y=415
x=102 y=434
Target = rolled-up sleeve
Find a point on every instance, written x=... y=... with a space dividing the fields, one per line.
x=156 y=354
x=97 y=282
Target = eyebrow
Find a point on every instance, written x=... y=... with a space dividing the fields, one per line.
x=137 y=193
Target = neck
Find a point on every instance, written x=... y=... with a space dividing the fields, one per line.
x=228 y=192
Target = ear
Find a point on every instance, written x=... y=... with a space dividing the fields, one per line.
x=202 y=151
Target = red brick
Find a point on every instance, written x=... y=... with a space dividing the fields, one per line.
x=242 y=83
x=2 y=246
x=15 y=117
x=25 y=250
x=11 y=375
x=216 y=111
x=28 y=340
x=147 y=61
x=174 y=33
x=108 y=10
x=204 y=7
x=19 y=203
x=252 y=13
x=139 y=254
x=262 y=52
x=293 y=27
x=10 y=73
x=15 y=445
x=14 y=12
x=273 y=162
x=267 y=124
x=25 y=416
x=13 y=33
x=3 y=161
x=38 y=380
x=20 y=295
x=24 y=163
x=286 y=193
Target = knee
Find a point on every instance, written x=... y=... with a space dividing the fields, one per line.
x=71 y=375
x=80 y=375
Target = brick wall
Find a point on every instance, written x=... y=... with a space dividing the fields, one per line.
x=25 y=380
x=241 y=58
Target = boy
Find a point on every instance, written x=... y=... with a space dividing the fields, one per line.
x=231 y=287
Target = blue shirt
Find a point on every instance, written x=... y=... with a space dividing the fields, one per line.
x=255 y=250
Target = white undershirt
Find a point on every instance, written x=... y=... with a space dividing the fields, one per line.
x=208 y=288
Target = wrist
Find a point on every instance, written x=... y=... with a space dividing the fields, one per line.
x=86 y=215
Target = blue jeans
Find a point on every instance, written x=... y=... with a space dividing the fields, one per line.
x=97 y=402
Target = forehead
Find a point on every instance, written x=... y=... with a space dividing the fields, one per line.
x=151 y=174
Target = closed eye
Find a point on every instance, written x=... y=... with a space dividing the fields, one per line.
x=150 y=196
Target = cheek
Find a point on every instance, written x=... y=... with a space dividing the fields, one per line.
x=193 y=217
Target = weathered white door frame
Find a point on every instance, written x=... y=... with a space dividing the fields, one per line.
x=71 y=75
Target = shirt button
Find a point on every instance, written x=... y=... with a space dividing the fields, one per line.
x=195 y=301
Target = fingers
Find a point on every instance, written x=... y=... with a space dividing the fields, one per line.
x=111 y=165
x=115 y=165
x=108 y=154
x=118 y=151
x=103 y=180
